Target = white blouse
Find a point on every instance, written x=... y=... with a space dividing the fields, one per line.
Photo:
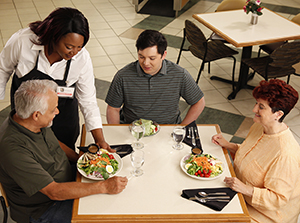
x=20 y=54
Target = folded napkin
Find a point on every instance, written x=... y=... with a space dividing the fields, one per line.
x=187 y=140
x=122 y=150
x=215 y=205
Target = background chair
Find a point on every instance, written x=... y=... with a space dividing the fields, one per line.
x=4 y=204
x=269 y=48
x=278 y=64
x=204 y=49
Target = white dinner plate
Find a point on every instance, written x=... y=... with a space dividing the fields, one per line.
x=182 y=165
x=117 y=157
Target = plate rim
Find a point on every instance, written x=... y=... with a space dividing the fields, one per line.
x=117 y=157
x=182 y=164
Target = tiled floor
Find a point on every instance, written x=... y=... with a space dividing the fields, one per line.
x=114 y=26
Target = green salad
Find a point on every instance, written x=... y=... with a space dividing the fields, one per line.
x=203 y=165
x=150 y=127
x=101 y=165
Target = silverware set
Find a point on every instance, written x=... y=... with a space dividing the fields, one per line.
x=193 y=134
x=204 y=197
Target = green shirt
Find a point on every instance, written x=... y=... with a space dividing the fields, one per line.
x=29 y=162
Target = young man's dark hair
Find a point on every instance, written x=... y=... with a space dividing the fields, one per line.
x=150 y=38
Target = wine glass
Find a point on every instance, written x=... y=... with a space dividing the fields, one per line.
x=137 y=130
x=178 y=136
x=137 y=161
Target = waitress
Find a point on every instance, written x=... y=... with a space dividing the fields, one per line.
x=54 y=49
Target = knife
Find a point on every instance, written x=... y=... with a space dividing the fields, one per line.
x=196 y=133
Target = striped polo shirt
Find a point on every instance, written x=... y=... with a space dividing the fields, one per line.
x=152 y=97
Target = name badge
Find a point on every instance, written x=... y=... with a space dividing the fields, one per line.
x=65 y=92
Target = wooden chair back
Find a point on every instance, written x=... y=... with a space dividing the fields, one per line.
x=3 y=194
x=296 y=18
x=226 y=5
x=286 y=55
x=194 y=35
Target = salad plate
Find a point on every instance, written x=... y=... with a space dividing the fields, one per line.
x=202 y=167
x=93 y=167
x=151 y=127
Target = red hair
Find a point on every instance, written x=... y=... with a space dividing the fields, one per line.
x=279 y=94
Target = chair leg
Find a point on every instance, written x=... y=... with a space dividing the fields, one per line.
x=5 y=213
x=209 y=67
x=181 y=48
x=201 y=69
x=288 y=79
x=258 y=54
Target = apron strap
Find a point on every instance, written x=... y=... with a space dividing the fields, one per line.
x=67 y=70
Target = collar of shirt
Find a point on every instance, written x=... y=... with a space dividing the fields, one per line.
x=141 y=73
x=41 y=48
x=20 y=128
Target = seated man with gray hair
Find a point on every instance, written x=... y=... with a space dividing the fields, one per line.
x=34 y=171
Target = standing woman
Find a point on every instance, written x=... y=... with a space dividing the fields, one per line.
x=267 y=163
x=54 y=49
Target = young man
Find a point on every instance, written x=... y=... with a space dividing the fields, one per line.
x=151 y=87
x=34 y=171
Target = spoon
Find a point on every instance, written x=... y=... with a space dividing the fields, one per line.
x=203 y=194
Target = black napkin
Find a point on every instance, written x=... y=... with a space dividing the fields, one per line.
x=122 y=150
x=215 y=205
x=187 y=140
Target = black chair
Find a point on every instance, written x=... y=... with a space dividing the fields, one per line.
x=269 y=48
x=205 y=49
x=4 y=204
x=4 y=208
x=278 y=64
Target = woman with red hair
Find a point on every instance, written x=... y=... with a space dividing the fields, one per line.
x=267 y=163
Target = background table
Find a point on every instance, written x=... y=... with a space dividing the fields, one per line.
x=155 y=196
x=237 y=30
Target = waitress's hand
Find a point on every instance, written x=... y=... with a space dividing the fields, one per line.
x=100 y=141
x=238 y=186
x=105 y=145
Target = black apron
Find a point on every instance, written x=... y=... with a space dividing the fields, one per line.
x=66 y=123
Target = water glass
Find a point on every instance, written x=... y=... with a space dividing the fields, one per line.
x=178 y=136
x=137 y=161
x=138 y=131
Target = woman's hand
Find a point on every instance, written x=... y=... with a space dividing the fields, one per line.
x=238 y=186
x=219 y=140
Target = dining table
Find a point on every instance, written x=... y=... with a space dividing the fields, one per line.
x=155 y=196
x=234 y=26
